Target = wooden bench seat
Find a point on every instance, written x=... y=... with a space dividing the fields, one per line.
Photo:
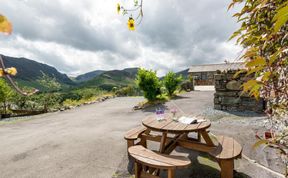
x=152 y=159
x=132 y=135
x=227 y=150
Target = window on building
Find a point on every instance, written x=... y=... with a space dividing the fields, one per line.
x=204 y=76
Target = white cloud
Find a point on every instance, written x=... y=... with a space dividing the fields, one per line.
x=81 y=36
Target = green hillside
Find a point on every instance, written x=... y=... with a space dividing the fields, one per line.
x=88 y=76
x=114 y=78
x=30 y=71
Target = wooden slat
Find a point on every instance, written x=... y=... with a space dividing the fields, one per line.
x=156 y=160
x=237 y=149
x=195 y=145
x=171 y=126
x=217 y=151
x=228 y=146
x=133 y=134
x=174 y=127
x=160 y=124
x=148 y=120
x=180 y=126
x=192 y=127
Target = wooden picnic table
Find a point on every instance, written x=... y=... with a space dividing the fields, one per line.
x=180 y=130
x=174 y=133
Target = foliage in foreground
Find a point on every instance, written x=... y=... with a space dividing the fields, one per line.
x=6 y=95
x=5 y=25
x=263 y=34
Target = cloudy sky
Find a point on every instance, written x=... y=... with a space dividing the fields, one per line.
x=85 y=35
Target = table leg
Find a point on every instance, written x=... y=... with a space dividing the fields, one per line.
x=206 y=137
x=143 y=140
x=163 y=142
x=138 y=170
x=161 y=150
x=227 y=167
x=171 y=173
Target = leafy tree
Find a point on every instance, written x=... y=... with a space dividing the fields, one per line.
x=49 y=83
x=149 y=83
x=6 y=94
x=49 y=98
x=263 y=34
x=171 y=82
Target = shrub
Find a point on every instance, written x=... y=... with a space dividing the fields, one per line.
x=171 y=82
x=149 y=83
x=128 y=91
x=6 y=95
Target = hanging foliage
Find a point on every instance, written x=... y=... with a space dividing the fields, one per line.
x=264 y=36
x=5 y=25
x=135 y=13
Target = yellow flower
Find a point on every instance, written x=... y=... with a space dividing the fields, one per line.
x=11 y=71
x=118 y=8
x=131 y=24
x=1 y=72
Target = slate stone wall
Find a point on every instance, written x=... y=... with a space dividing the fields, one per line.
x=229 y=95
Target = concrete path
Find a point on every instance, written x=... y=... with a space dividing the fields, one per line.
x=87 y=141
x=83 y=142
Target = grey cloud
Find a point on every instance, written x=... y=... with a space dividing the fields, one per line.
x=51 y=22
x=190 y=30
x=189 y=25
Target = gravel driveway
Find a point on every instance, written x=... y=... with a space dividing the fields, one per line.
x=88 y=141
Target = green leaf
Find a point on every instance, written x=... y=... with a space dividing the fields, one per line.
x=238 y=32
x=280 y=18
x=249 y=84
x=259 y=61
x=255 y=70
x=259 y=143
x=273 y=57
x=230 y=6
x=266 y=76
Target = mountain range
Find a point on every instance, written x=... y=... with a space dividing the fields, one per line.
x=29 y=71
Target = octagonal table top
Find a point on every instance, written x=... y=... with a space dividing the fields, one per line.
x=170 y=125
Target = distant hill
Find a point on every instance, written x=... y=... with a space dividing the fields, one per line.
x=114 y=78
x=88 y=76
x=184 y=73
x=29 y=71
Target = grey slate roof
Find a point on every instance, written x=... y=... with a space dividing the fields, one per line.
x=214 y=67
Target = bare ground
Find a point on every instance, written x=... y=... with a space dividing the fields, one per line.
x=88 y=141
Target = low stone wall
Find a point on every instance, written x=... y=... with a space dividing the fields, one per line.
x=229 y=96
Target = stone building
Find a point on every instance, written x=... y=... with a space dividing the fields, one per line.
x=204 y=74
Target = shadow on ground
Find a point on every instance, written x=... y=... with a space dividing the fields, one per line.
x=180 y=97
x=152 y=109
